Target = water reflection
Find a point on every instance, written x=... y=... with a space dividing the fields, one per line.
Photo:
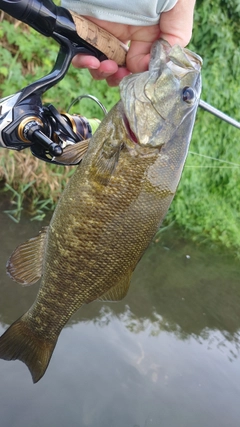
x=167 y=355
x=181 y=290
x=177 y=288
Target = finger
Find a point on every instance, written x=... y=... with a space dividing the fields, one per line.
x=115 y=79
x=105 y=69
x=138 y=56
x=176 y=24
x=85 y=61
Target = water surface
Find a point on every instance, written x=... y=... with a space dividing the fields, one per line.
x=168 y=355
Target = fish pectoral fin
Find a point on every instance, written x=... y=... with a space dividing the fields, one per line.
x=117 y=292
x=25 y=264
x=106 y=161
x=73 y=154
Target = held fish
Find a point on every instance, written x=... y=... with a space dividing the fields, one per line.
x=112 y=206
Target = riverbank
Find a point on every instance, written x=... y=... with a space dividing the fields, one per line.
x=207 y=203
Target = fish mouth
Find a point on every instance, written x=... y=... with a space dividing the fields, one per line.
x=162 y=54
x=182 y=61
x=194 y=58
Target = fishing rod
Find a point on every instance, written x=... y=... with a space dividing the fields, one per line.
x=24 y=121
x=210 y=109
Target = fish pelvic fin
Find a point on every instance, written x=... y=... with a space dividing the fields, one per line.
x=26 y=262
x=117 y=292
x=20 y=343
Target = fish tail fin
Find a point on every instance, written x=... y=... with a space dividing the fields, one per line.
x=19 y=342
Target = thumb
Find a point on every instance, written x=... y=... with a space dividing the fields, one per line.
x=138 y=56
x=176 y=24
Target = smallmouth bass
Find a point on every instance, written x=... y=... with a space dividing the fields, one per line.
x=112 y=206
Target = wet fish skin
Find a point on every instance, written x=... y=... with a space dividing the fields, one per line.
x=111 y=207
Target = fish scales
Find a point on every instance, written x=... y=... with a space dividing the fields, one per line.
x=100 y=234
x=112 y=206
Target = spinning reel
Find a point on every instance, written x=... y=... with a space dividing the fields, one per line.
x=24 y=120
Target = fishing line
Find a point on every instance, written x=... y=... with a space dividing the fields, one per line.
x=214 y=158
x=212 y=167
x=91 y=97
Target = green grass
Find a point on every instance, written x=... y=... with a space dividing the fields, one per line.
x=207 y=204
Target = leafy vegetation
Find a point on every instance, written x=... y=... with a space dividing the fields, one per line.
x=207 y=204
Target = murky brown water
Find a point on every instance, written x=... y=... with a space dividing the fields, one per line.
x=168 y=355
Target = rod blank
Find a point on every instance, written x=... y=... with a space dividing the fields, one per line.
x=207 y=107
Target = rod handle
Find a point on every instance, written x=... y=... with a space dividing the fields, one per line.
x=101 y=39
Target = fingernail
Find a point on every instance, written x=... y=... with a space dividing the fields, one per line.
x=93 y=67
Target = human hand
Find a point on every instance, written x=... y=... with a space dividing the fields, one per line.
x=175 y=26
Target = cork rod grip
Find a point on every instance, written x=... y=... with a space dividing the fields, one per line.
x=101 y=39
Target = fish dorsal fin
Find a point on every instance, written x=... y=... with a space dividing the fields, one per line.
x=25 y=264
x=117 y=292
x=73 y=154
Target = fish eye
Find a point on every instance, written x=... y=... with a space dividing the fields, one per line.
x=188 y=95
